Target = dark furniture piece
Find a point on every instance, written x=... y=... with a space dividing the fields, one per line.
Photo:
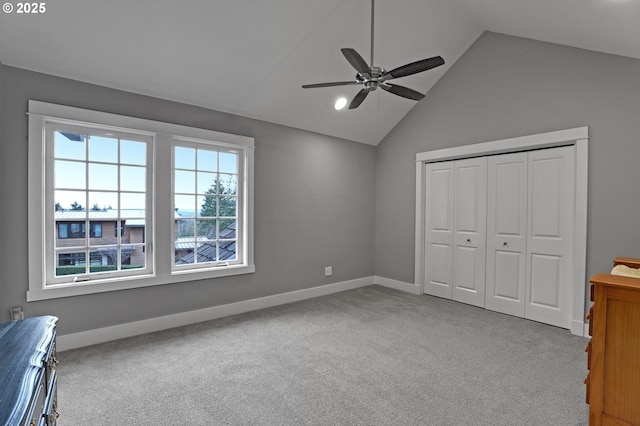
x=28 y=392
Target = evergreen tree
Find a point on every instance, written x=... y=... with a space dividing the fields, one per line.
x=220 y=201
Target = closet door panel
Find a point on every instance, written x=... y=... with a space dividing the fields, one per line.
x=439 y=229
x=550 y=235
x=508 y=272
x=469 y=257
x=545 y=280
x=506 y=233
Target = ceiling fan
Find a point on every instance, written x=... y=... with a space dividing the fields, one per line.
x=373 y=77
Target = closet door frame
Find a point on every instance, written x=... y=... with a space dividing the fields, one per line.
x=576 y=137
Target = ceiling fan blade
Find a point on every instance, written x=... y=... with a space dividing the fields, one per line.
x=355 y=103
x=356 y=60
x=405 y=92
x=416 y=67
x=335 y=83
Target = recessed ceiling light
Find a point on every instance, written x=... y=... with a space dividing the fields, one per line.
x=340 y=103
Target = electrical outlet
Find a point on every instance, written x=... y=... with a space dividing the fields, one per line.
x=328 y=270
x=16 y=313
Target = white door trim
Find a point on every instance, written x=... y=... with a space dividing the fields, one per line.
x=577 y=137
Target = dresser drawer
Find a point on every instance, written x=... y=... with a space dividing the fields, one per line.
x=50 y=363
x=36 y=405
x=50 y=413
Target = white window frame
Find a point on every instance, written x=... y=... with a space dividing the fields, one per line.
x=160 y=241
x=219 y=147
x=51 y=125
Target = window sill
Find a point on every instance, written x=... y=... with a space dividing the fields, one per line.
x=116 y=284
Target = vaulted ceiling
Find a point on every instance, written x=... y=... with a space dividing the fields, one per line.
x=250 y=57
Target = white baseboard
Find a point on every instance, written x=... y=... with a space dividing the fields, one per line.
x=121 y=331
x=397 y=285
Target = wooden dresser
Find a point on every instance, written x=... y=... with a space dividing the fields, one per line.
x=28 y=391
x=613 y=382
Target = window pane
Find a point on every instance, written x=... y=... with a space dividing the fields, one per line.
x=185 y=182
x=207 y=183
x=69 y=174
x=107 y=235
x=132 y=205
x=228 y=162
x=227 y=250
x=184 y=253
x=132 y=257
x=69 y=200
x=76 y=230
x=73 y=263
x=207 y=252
x=207 y=160
x=133 y=231
x=69 y=145
x=70 y=234
x=104 y=259
x=186 y=205
x=185 y=230
x=133 y=178
x=228 y=206
x=208 y=206
x=103 y=204
x=184 y=158
x=103 y=176
x=227 y=228
x=206 y=229
x=228 y=184
x=103 y=149
x=132 y=152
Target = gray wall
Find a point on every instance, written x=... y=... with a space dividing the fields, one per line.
x=504 y=87
x=314 y=203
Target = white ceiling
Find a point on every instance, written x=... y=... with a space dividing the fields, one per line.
x=250 y=57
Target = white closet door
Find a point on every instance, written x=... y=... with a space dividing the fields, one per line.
x=470 y=217
x=439 y=229
x=551 y=192
x=506 y=233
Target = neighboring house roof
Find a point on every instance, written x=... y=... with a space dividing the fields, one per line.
x=186 y=243
x=111 y=214
x=207 y=251
x=112 y=250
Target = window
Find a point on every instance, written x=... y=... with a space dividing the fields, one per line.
x=107 y=170
x=116 y=227
x=77 y=229
x=147 y=224
x=206 y=198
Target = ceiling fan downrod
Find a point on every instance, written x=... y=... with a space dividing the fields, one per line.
x=372 y=21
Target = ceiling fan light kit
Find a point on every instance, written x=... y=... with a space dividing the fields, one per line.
x=372 y=77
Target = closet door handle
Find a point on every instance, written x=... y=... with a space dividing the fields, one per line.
x=505 y=244
x=469 y=240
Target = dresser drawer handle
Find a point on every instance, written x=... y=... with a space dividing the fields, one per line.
x=53 y=417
